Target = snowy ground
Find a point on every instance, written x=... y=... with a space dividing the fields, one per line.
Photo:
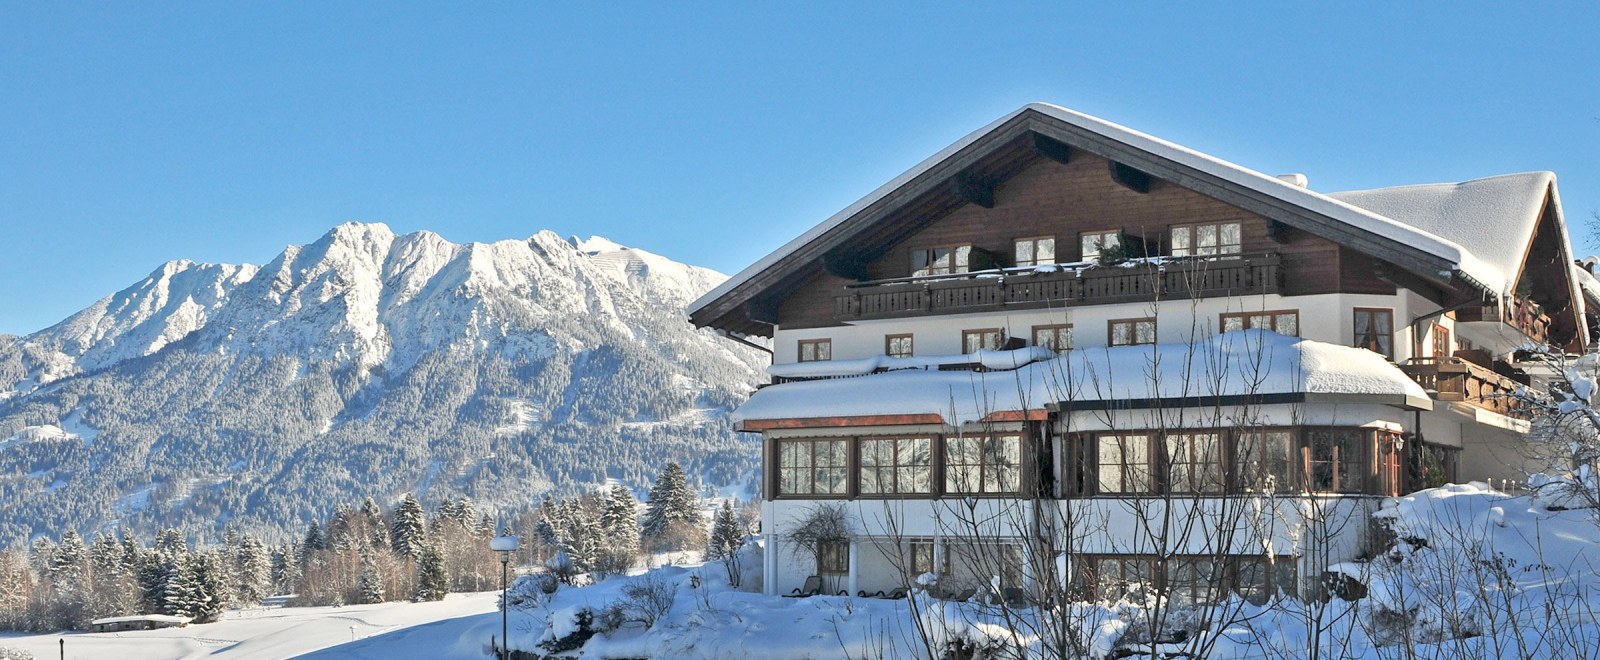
x=274 y=633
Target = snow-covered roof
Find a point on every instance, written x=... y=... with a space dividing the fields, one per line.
x=1586 y=281
x=1493 y=218
x=1247 y=363
x=158 y=618
x=863 y=366
x=1463 y=259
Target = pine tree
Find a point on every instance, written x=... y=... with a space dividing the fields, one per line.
x=252 y=571
x=432 y=581
x=67 y=563
x=672 y=517
x=378 y=532
x=619 y=530
x=726 y=535
x=179 y=587
x=370 y=584
x=208 y=594
x=409 y=532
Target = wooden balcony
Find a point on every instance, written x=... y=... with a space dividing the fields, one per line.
x=1455 y=379
x=1026 y=288
x=1523 y=314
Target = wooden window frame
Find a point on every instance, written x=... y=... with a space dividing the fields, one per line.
x=893 y=468
x=1441 y=342
x=1023 y=460
x=1355 y=314
x=1294 y=469
x=1091 y=579
x=800 y=349
x=833 y=557
x=1362 y=466
x=1084 y=256
x=1193 y=238
x=1033 y=260
x=888 y=344
x=1133 y=331
x=952 y=269
x=999 y=332
x=1165 y=481
x=1057 y=328
x=778 y=467
x=914 y=564
x=1246 y=320
x=1152 y=485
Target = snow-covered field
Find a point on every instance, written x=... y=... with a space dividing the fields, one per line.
x=406 y=630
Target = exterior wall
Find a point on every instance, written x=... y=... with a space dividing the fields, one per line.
x=1326 y=318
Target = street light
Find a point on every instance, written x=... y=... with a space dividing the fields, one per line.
x=505 y=545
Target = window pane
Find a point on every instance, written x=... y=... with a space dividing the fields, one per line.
x=1289 y=324
x=825 y=350
x=1205 y=239
x=1090 y=247
x=1045 y=251
x=1230 y=238
x=1180 y=242
x=1145 y=332
x=1121 y=334
x=919 y=263
x=1024 y=253
x=963 y=257
x=808 y=352
x=940 y=263
x=1232 y=323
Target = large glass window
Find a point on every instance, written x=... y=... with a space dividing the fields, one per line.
x=1375 y=330
x=812 y=467
x=1124 y=463
x=1205 y=239
x=1131 y=332
x=1261 y=578
x=1266 y=461
x=940 y=260
x=1283 y=323
x=1194 y=462
x=1195 y=580
x=983 y=464
x=1116 y=578
x=1036 y=251
x=1334 y=458
x=896 y=466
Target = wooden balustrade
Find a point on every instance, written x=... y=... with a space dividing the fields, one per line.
x=1199 y=277
x=1455 y=379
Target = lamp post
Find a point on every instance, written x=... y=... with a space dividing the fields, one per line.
x=505 y=545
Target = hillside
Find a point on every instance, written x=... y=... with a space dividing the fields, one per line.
x=366 y=363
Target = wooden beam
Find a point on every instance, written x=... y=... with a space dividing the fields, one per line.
x=1130 y=178
x=973 y=190
x=1051 y=148
x=761 y=310
x=847 y=266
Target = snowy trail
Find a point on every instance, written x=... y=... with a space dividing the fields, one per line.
x=275 y=633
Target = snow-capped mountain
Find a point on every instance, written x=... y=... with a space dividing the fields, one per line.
x=366 y=363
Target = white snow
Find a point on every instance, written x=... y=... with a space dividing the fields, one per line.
x=862 y=366
x=274 y=633
x=39 y=433
x=1251 y=362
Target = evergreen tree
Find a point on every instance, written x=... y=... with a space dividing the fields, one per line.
x=370 y=584
x=252 y=571
x=67 y=563
x=619 y=530
x=726 y=535
x=179 y=588
x=432 y=581
x=672 y=517
x=314 y=541
x=409 y=532
x=378 y=531
x=208 y=595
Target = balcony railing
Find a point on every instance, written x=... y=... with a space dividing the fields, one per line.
x=1066 y=285
x=1455 y=379
x=1521 y=313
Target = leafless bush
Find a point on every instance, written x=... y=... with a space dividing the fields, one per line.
x=648 y=598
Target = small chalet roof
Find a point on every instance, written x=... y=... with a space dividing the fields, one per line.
x=1493 y=217
x=1254 y=366
x=1422 y=240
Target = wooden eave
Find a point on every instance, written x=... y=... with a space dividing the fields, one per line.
x=1001 y=153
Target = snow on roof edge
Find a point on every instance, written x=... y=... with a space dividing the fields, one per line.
x=1229 y=171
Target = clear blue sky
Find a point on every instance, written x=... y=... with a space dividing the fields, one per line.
x=136 y=133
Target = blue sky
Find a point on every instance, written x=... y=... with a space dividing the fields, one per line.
x=136 y=133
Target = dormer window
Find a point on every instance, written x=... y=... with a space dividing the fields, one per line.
x=1206 y=239
x=1036 y=251
x=940 y=260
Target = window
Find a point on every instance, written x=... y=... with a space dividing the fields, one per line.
x=1095 y=242
x=1116 y=578
x=983 y=464
x=1206 y=239
x=1035 y=251
x=1131 y=332
x=1057 y=338
x=1283 y=323
x=989 y=339
x=919 y=558
x=1441 y=342
x=1334 y=460
x=1194 y=462
x=816 y=350
x=897 y=346
x=833 y=557
x=1124 y=463
x=1265 y=461
x=812 y=467
x=1261 y=578
x=1375 y=330
x=940 y=260
x=893 y=466
x=1196 y=580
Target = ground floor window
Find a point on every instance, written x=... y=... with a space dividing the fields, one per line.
x=1186 y=578
x=833 y=558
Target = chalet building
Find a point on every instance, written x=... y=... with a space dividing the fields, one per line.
x=1061 y=351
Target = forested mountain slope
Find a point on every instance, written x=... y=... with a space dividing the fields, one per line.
x=366 y=363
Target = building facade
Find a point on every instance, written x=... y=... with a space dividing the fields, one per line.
x=1065 y=355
